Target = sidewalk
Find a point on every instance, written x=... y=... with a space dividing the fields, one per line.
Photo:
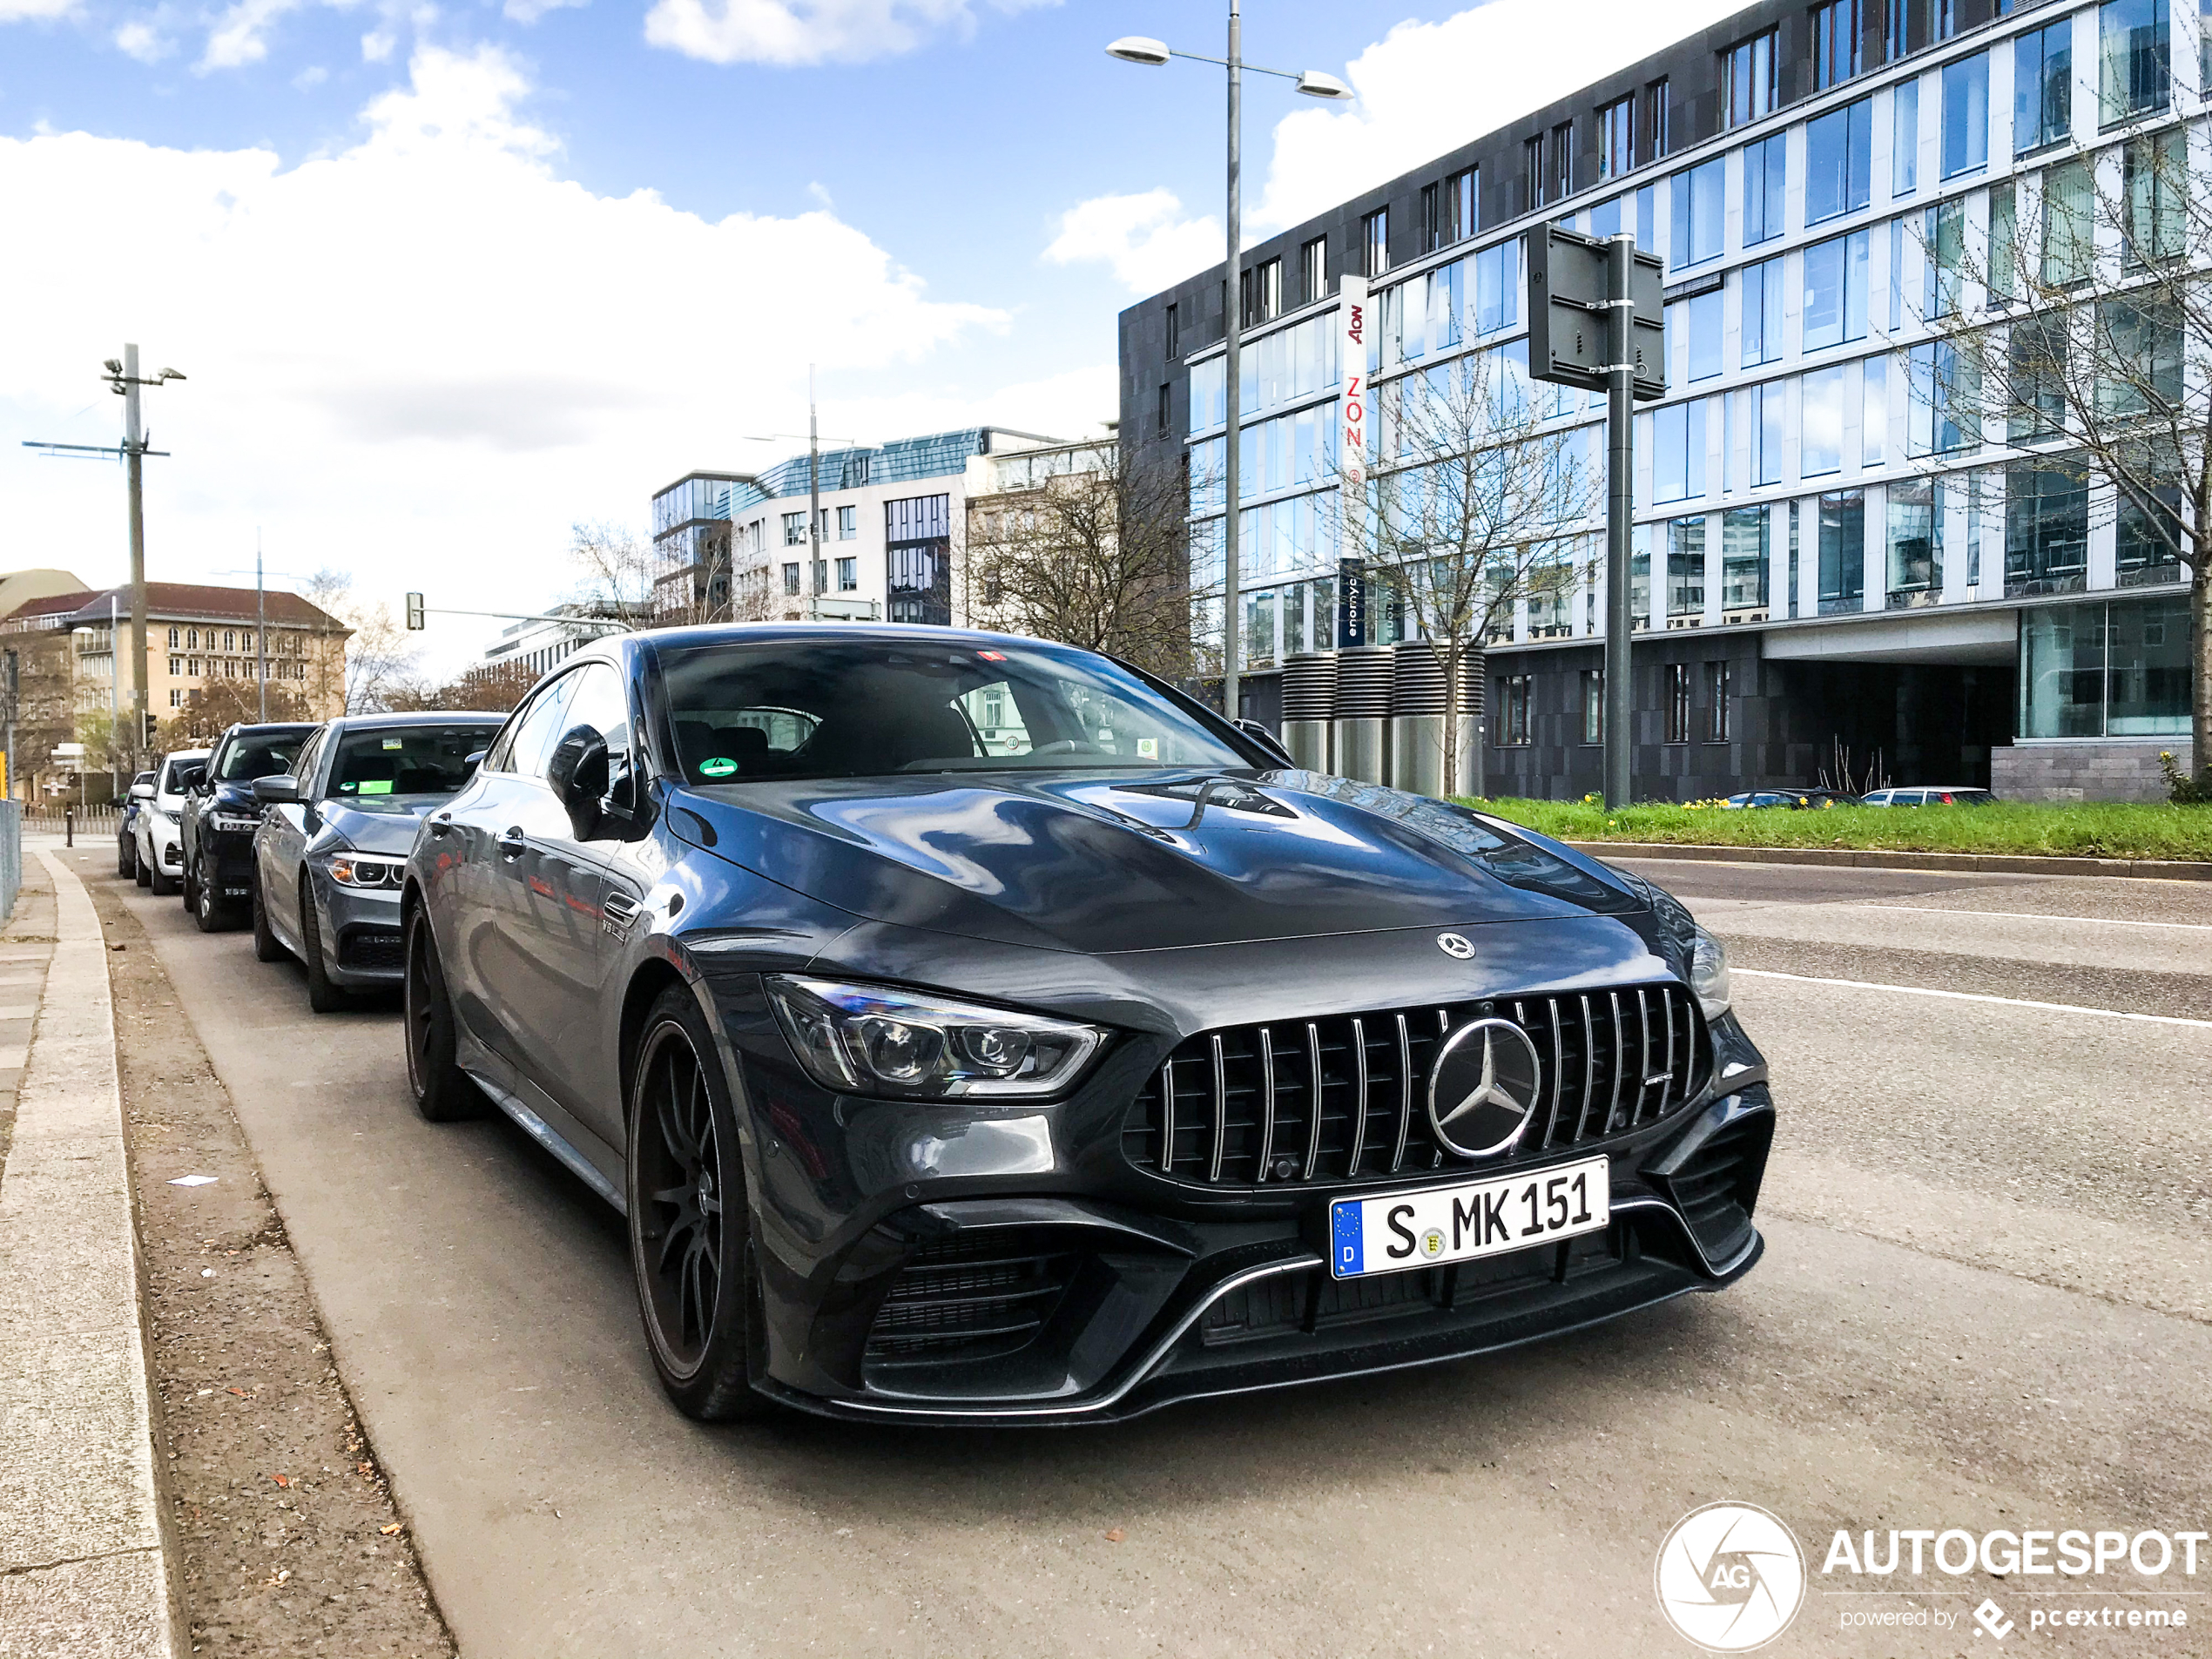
x=83 y=1567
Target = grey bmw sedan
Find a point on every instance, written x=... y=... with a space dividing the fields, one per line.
x=334 y=837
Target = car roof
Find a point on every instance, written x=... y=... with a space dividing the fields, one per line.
x=282 y=728
x=188 y=754
x=419 y=717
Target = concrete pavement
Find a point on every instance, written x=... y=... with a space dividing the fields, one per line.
x=83 y=1567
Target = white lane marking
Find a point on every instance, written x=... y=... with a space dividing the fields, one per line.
x=1971 y=996
x=2031 y=915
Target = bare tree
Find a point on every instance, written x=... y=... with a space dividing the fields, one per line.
x=220 y=704
x=2075 y=336
x=493 y=688
x=1481 y=502
x=1092 y=558
x=621 y=577
x=378 y=658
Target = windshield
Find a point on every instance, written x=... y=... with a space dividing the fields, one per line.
x=405 y=759
x=861 y=707
x=260 y=755
x=177 y=775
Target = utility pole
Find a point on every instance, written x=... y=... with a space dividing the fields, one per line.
x=260 y=629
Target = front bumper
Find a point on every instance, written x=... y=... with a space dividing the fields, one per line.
x=361 y=932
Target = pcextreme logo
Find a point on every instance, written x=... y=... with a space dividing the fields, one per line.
x=1730 y=1577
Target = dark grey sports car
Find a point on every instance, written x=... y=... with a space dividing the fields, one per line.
x=975 y=1029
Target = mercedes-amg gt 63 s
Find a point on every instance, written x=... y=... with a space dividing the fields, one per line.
x=978 y=1030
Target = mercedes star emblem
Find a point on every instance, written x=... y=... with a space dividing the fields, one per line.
x=1483 y=1088
x=1454 y=946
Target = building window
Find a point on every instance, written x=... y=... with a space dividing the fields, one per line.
x=1943 y=257
x=1716 y=701
x=1843 y=551
x=1874 y=410
x=790 y=578
x=1313 y=272
x=1744 y=560
x=2134 y=74
x=1175 y=331
x=1164 y=415
x=1263 y=292
x=1512 y=709
x=2042 y=87
x=1594 y=706
x=1374 y=242
x=1836 y=290
x=1762 y=321
x=1699 y=220
x=1562 y=161
x=1762 y=189
x=1941 y=418
x=230 y=639
x=2069 y=201
x=1820 y=440
x=192 y=639
x=2155 y=182
x=2047 y=528
x=2105 y=669
x=1677 y=692
x=1896 y=30
x=1616 y=137
x=1531 y=169
x=2146 y=539
x=848 y=522
x=1835 y=43
x=1678 y=451
x=1432 y=218
x=1497 y=287
x=794 y=529
x=1915 y=543
x=1839 y=159
x=1686 y=566
x=176 y=664
x=1748 y=74
x=176 y=697
x=1661 y=131
x=1965 y=115
x=848 y=575
x=1694 y=335
x=1905 y=137
x=1448 y=209
x=173 y=643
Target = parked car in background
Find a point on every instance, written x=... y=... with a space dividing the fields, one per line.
x=333 y=839
x=975 y=1029
x=1931 y=795
x=220 y=814
x=1798 y=799
x=126 y=825
x=160 y=836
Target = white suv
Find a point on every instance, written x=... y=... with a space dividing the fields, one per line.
x=161 y=853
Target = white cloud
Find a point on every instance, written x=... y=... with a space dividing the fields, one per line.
x=314 y=75
x=528 y=11
x=792 y=32
x=1428 y=87
x=240 y=34
x=1145 y=238
x=29 y=11
x=424 y=356
x=376 y=46
x=142 y=38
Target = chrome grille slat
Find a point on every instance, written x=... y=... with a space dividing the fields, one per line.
x=1633 y=1075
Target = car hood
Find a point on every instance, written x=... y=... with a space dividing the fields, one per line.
x=1142 y=861
x=386 y=824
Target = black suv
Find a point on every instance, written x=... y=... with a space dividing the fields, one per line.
x=221 y=813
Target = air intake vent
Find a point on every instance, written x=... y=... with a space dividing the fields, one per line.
x=972 y=1297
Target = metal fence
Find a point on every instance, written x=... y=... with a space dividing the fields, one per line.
x=54 y=817
x=10 y=856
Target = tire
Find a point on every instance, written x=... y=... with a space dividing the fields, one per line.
x=443 y=1093
x=691 y=1247
x=266 y=946
x=208 y=908
x=189 y=886
x=126 y=858
x=158 y=880
x=141 y=871
x=322 y=996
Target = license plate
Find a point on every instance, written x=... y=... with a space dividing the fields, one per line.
x=1403 y=1230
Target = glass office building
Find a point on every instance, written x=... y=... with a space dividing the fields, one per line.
x=1832 y=552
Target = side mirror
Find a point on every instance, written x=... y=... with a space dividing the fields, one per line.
x=187 y=778
x=578 y=772
x=1266 y=739
x=468 y=766
x=141 y=792
x=279 y=789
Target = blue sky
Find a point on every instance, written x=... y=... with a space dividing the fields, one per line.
x=452 y=276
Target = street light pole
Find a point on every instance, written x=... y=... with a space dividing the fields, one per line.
x=134 y=452
x=1137 y=49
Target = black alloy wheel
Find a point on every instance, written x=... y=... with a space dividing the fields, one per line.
x=323 y=996
x=126 y=856
x=443 y=1093
x=267 y=947
x=208 y=908
x=691 y=1234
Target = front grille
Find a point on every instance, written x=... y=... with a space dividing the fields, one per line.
x=1344 y=1098
x=980 y=1296
x=1716 y=1184
x=371 y=950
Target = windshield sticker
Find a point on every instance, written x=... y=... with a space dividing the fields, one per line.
x=381 y=786
x=720 y=766
x=1148 y=748
x=395 y=743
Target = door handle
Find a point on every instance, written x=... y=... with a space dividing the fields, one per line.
x=511 y=843
x=621 y=908
x=441 y=823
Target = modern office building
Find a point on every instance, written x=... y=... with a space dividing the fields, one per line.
x=1827 y=554
x=542 y=643
x=735 y=546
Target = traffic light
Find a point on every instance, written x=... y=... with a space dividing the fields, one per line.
x=414 y=612
x=145 y=741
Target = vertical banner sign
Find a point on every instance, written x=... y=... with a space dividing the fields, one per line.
x=1352 y=405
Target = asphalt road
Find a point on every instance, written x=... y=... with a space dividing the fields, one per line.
x=1985 y=1304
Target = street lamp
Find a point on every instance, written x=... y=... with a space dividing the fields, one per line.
x=1154 y=54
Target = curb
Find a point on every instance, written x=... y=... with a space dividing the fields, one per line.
x=84 y=1566
x=1867 y=858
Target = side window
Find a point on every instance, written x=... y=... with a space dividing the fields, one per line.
x=310 y=752
x=601 y=703
x=540 y=728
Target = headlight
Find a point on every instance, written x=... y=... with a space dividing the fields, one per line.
x=878 y=1040
x=1709 y=974
x=237 y=823
x=367 y=870
x=172 y=814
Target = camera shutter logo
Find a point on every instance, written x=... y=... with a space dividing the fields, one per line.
x=1483 y=1088
x=1730 y=1577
